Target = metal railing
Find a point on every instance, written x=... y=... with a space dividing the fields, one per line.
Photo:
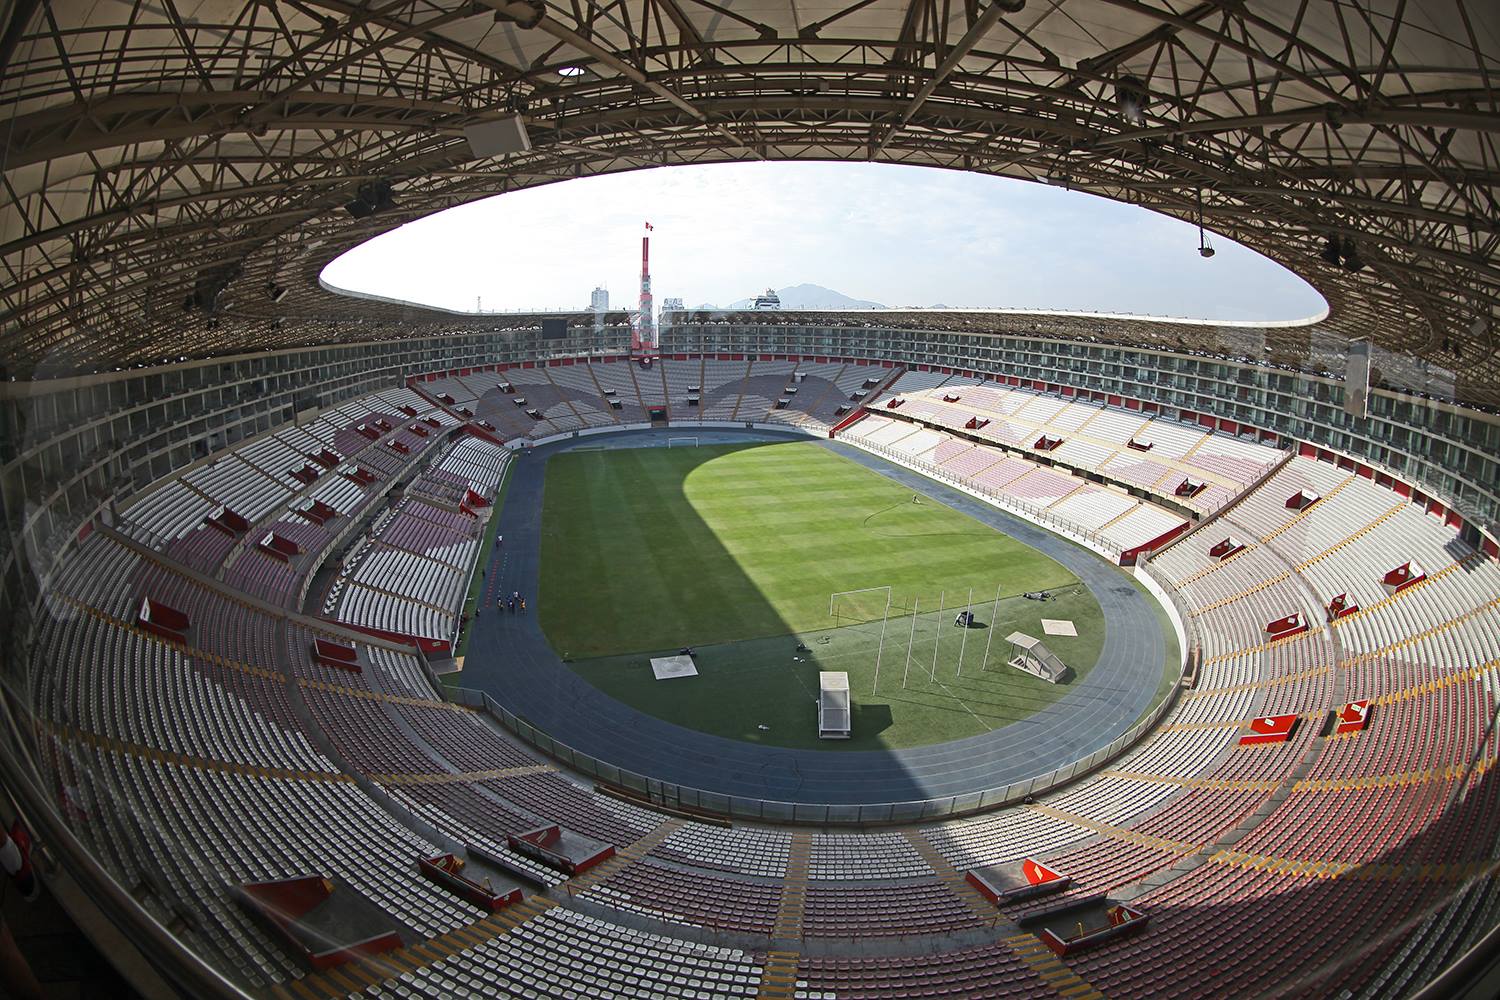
x=685 y=797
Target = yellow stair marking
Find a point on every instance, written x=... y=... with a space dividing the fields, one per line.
x=1298 y=567
x=952 y=877
x=636 y=384
x=1188 y=727
x=1116 y=832
x=1450 y=772
x=1286 y=640
x=116 y=745
x=351 y=582
x=1226 y=784
x=778 y=977
x=1390 y=698
x=1436 y=684
x=546 y=371
x=1120 y=516
x=361 y=973
x=788 y=925
x=1050 y=969
x=1352 y=537
x=394 y=699
x=1448 y=871
x=1223 y=601
x=624 y=857
x=1424 y=634
x=1391 y=598
x=831 y=385
x=181 y=647
x=1309 y=509
x=1293 y=678
x=413 y=552
x=452 y=777
x=1216 y=564
x=201 y=581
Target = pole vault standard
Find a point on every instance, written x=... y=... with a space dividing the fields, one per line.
x=909 y=640
x=964 y=639
x=991 y=635
x=881 y=648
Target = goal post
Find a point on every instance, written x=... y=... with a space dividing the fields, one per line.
x=682 y=442
x=866 y=604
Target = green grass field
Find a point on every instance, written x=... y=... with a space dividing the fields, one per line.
x=736 y=550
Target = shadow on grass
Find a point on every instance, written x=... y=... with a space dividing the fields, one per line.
x=628 y=554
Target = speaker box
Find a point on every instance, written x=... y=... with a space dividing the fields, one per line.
x=498 y=138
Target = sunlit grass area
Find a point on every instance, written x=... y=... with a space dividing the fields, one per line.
x=735 y=550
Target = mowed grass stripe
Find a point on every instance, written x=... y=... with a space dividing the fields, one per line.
x=735 y=550
x=653 y=548
x=632 y=540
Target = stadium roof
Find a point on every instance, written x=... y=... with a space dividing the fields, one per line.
x=159 y=151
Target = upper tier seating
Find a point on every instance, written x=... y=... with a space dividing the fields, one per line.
x=580 y=396
x=1093 y=437
x=1115 y=520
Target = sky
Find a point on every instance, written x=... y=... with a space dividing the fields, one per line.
x=897 y=235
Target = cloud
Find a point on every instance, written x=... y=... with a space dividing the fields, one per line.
x=900 y=235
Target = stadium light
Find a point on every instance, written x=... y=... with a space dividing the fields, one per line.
x=371 y=198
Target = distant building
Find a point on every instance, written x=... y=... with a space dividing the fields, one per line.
x=770 y=300
x=671 y=305
x=599 y=301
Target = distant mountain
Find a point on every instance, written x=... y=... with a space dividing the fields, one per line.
x=806 y=296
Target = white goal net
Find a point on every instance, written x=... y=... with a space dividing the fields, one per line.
x=867 y=604
x=682 y=442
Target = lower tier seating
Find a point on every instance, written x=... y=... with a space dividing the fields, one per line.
x=192 y=760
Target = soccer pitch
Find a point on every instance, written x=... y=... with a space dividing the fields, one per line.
x=736 y=549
